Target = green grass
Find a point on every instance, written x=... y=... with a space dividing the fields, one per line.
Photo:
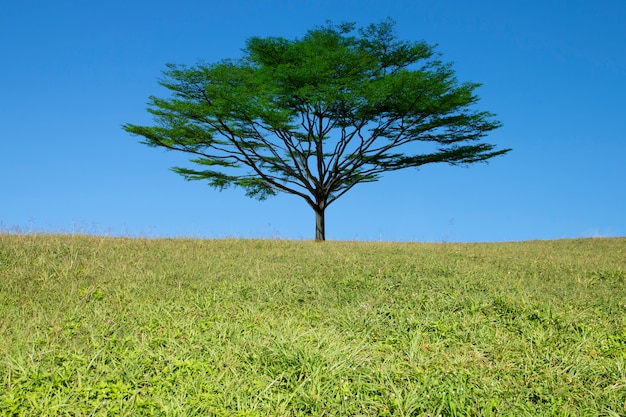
x=95 y=326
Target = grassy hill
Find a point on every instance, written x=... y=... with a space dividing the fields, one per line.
x=101 y=326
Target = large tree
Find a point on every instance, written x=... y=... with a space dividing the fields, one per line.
x=318 y=115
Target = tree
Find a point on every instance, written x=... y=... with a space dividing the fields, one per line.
x=318 y=115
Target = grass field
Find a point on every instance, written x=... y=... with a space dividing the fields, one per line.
x=93 y=326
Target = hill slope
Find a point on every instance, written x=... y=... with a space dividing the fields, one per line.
x=103 y=326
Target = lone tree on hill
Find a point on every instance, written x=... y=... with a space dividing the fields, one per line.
x=318 y=115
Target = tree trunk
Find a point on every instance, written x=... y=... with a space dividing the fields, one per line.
x=320 y=228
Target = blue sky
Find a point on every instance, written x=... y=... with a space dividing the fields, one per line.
x=72 y=72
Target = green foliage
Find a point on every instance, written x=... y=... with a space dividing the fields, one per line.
x=315 y=116
x=100 y=326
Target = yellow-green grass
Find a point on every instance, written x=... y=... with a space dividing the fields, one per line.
x=93 y=326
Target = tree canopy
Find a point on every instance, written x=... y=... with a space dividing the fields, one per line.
x=315 y=116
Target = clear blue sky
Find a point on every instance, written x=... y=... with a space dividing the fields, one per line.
x=72 y=72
